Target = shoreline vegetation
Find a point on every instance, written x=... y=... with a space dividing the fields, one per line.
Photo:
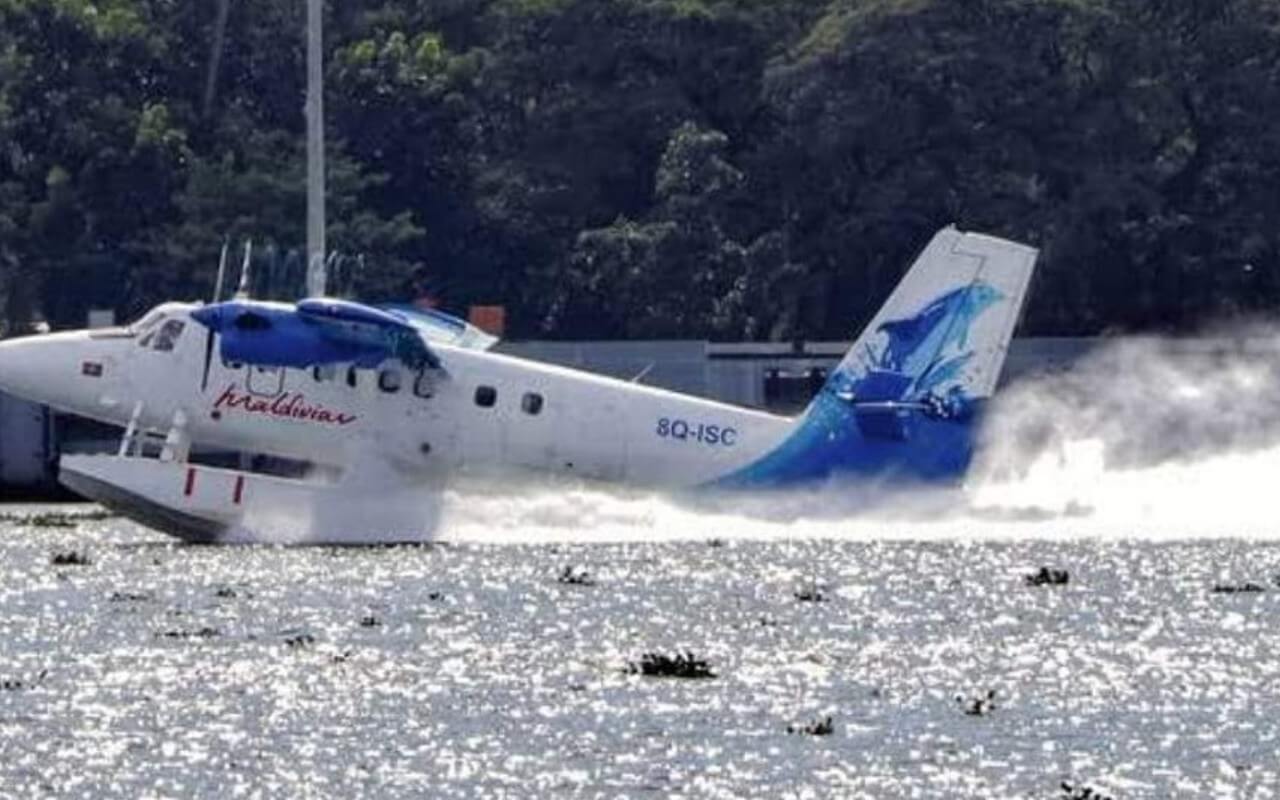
x=726 y=169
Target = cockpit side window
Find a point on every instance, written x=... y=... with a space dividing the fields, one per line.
x=167 y=337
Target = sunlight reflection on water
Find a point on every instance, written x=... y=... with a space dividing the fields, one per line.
x=467 y=669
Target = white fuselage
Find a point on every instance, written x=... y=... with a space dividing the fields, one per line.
x=482 y=411
x=902 y=405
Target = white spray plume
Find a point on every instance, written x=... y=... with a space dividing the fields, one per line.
x=1147 y=401
x=1143 y=438
x=372 y=503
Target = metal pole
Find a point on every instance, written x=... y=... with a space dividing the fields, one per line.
x=215 y=56
x=315 y=151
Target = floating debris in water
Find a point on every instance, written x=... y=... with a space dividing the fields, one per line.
x=819 y=727
x=96 y=516
x=301 y=640
x=716 y=542
x=48 y=519
x=682 y=665
x=570 y=577
x=370 y=622
x=71 y=558
x=435 y=597
x=226 y=593
x=17 y=684
x=1070 y=792
x=1047 y=577
x=52 y=519
x=56 y=519
x=811 y=594
x=129 y=597
x=1237 y=588
x=183 y=633
x=341 y=658
x=979 y=706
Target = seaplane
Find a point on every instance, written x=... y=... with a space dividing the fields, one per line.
x=376 y=401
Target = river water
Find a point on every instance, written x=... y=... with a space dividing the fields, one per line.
x=470 y=668
x=494 y=662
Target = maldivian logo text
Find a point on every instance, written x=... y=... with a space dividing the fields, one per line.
x=290 y=405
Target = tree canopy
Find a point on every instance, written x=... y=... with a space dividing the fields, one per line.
x=731 y=169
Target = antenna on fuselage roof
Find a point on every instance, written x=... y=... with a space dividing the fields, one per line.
x=333 y=274
x=222 y=271
x=242 y=293
x=341 y=270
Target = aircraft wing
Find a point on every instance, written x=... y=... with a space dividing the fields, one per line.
x=314 y=332
x=437 y=326
x=365 y=326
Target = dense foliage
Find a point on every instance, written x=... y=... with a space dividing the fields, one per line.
x=730 y=169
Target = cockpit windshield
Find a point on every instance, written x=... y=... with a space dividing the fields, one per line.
x=167 y=337
x=148 y=321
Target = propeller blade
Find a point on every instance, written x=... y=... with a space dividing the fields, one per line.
x=208 y=359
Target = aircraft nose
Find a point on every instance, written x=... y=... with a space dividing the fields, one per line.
x=20 y=367
x=48 y=369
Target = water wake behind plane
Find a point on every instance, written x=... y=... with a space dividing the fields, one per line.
x=1133 y=442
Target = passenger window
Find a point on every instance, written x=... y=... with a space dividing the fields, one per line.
x=423 y=386
x=389 y=380
x=486 y=396
x=323 y=372
x=531 y=403
x=167 y=336
x=352 y=379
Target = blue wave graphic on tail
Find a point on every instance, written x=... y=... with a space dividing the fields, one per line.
x=900 y=408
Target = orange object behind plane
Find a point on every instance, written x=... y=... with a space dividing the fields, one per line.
x=490 y=319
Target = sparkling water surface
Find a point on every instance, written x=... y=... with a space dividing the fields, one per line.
x=468 y=669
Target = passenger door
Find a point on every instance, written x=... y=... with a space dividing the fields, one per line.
x=592 y=438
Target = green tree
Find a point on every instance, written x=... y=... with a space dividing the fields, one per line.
x=678 y=272
x=728 y=168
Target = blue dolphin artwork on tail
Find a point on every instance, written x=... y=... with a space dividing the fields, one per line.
x=904 y=407
x=918 y=345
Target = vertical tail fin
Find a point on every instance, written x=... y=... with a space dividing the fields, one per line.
x=942 y=336
x=902 y=401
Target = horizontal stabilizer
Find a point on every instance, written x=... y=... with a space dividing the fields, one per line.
x=882 y=386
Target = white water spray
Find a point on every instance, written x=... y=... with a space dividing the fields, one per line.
x=1145 y=438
